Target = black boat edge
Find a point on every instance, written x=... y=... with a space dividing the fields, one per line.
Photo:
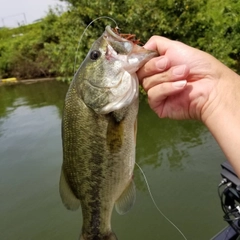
x=230 y=199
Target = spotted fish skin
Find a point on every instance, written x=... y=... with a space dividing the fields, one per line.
x=99 y=135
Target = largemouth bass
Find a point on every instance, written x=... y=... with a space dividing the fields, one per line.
x=99 y=133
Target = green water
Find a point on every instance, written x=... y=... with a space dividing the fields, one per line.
x=181 y=161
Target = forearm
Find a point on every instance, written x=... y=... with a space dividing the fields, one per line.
x=224 y=119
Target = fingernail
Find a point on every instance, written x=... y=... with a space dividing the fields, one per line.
x=179 y=84
x=161 y=64
x=179 y=70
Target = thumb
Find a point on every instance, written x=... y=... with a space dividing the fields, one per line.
x=159 y=44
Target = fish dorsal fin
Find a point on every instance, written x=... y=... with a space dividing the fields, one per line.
x=68 y=198
x=127 y=199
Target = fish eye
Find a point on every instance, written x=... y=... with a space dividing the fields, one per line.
x=95 y=54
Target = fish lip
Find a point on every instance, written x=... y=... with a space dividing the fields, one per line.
x=113 y=34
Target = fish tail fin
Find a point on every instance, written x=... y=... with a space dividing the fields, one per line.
x=108 y=236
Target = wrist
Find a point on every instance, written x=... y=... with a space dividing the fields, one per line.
x=224 y=98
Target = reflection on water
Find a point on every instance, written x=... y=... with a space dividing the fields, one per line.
x=180 y=159
x=167 y=139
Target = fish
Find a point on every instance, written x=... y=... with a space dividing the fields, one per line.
x=99 y=126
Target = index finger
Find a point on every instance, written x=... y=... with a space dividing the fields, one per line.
x=153 y=66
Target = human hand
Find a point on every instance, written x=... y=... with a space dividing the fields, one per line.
x=184 y=82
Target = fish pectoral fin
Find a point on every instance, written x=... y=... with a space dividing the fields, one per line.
x=127 y=199
x=68 y=198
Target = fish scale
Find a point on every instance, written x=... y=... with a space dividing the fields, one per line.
x=99 y=146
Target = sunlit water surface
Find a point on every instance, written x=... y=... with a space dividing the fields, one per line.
x=180 y=159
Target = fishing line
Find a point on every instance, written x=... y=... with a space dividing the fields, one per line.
x=80 y=39
x=151 y=196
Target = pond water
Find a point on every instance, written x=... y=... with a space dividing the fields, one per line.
x=180 y=159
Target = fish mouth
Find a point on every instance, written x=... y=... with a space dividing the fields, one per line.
x=122 y=89
x=109 y=31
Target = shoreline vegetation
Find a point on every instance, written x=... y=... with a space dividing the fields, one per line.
x=48 y=48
